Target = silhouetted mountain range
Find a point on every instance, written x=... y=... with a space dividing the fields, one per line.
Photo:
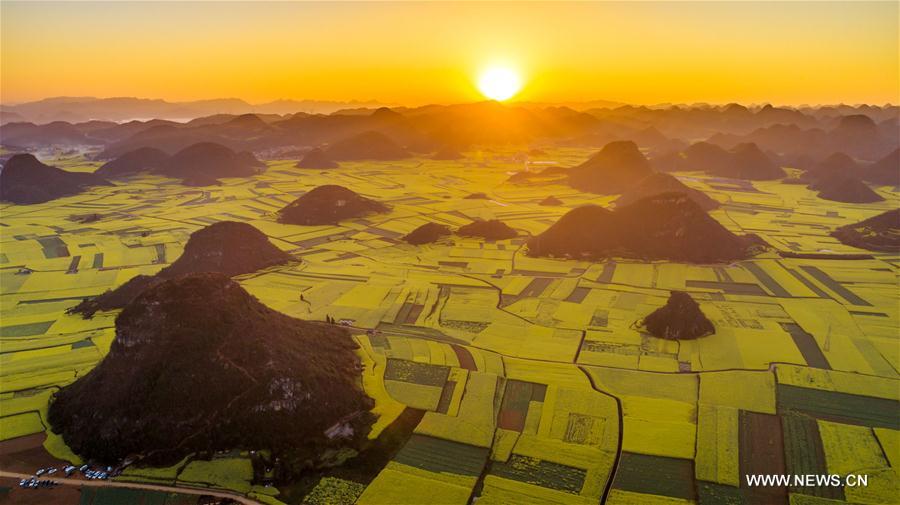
x=744 y=161
x=865 y=133
x=370 y=145
x=80 y=109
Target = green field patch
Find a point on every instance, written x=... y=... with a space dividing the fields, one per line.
x=868 y=314
x=659 y=475
x=73 y=265
x=729 y=288
x=536 y=273
x=578 y=294
x=50 y=300
x=160 y=250
x=20 y=425
x=583 y=429
x=457 y=264
x=334 y=491
x=116 y=496
x=809 y=284
x=380 y=341
x=609 y=269
x=835 y=286
x=418 y=332
x=807 y=345
x=766 y=279
x=711 y=493
x=761 y=450
x=839 y=407
x=224 y=473
x=446 y=397
x=514 y=408
x=532 y=290
x=804 y=454
x=466 y=326
x=874 y=358
x=600 y=318
x=722 y=275
x=53 y=247
x=416 y=373
x=83 y=343
x=611 y=347
x=408 y=313
x=26 y=330
x=540 y=473
x=439 y=455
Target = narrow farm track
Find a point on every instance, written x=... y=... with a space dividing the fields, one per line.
x=149 y=487
x=620 y=411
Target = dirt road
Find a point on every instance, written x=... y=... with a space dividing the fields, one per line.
x=134 y=485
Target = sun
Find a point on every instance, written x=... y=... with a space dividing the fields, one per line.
x=498 y=83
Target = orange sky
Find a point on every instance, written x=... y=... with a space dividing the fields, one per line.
x=414 y=53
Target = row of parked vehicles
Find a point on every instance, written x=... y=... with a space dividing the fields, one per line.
x=35 y=481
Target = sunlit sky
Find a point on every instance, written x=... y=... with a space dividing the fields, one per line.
x=416 y=53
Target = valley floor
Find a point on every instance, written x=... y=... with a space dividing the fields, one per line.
x=537 y=383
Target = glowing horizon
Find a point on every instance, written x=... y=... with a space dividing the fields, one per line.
x=419 y=53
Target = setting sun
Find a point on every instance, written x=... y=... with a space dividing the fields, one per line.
x=499 y=83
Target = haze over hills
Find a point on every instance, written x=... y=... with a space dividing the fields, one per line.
x=80 y=109
x=753 y=140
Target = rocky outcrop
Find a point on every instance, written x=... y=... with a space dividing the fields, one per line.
x=669 y=226
x=679 y=319
x=329 y=204
x=198 y=364
x=25 y=180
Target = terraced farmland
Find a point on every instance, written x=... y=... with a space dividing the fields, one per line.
x=533 y=382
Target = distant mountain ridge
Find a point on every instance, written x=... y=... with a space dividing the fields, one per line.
x=758 y=138
x=79 y=109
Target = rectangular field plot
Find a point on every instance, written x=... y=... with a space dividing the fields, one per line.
x=839 y=407
x=540 y=473
x=804 y=454
x=807 y=345
x=416 y=373
x=655 y=475
x=442 y=456
x=761 y=449
x=516 y=399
